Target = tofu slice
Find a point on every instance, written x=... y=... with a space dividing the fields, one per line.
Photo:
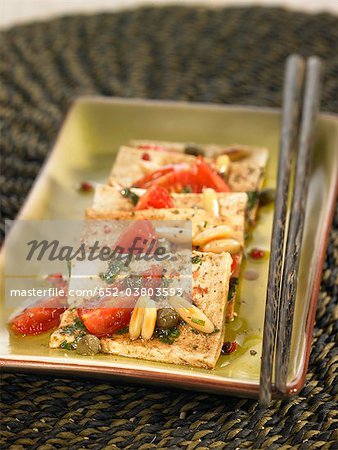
x=190 y=348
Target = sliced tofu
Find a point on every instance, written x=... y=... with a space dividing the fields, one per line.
x=190 y=347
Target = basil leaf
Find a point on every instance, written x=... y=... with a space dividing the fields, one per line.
x=127 y=193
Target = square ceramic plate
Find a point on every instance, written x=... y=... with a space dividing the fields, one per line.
x=85 y=149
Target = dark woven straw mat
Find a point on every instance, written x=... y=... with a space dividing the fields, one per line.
x=224 y=56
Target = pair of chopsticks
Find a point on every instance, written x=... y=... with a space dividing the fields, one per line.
x=302 y=81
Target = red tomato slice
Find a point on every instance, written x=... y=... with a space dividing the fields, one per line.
x=42 y=317
x=155 y=197
x=208 y=177
x=200 y=175
x=142 y=233
x=148 y=179
x=106 y=320
x=177 y=181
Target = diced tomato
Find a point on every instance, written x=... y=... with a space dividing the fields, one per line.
x=106 y=320
x=55 y=278
x=146 y=157
x=42 y=317
x=148 y=179
x=85 y=186
x=142 y=231
x=256 y=253
x=209 y=177
x=198 y=290
x=155 y=197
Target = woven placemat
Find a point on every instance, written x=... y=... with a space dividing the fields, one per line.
x=225 y=56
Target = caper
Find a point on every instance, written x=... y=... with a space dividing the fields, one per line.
x=166 y=318
x=195 y=150
x=267 y=196
x=88 y=345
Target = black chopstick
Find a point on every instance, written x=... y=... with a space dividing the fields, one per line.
x=296 y=221
x=292 y=92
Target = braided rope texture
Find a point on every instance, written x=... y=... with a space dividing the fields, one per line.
x=233 y=55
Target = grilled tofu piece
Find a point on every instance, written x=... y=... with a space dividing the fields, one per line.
x=210 y=287
x=190 y=347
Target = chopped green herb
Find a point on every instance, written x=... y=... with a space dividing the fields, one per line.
x=175 y=211
x=79 y=324
x=75 y=327
x=196 y=259
x=175 y=333
x=198 y=321
x=167 y=335
x=166 y=339
x=124 y=330
x=68 y=345
x=127 y=193
x=232 y=288
x=114 y=268
x=252 y=200
x=187 y=189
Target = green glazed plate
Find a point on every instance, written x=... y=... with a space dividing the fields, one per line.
x=93 y=130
